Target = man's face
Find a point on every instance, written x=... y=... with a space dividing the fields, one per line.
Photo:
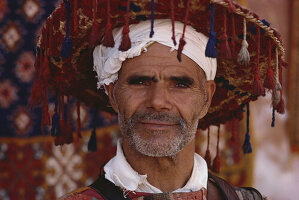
x=160 y=100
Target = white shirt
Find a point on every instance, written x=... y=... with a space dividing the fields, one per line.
x=119 y=172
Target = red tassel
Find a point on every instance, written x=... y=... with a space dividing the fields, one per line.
x=94 y=36
x=172 y=22
x=180 y=49
x=280 y=108
x=36 y=97
x=108 y=37
x=126 y=41
x=37 y=94
x=45 y=70
x=50 y=40
x=59 y=138
x=216 y=162
x=45 y=114
x=208 y=155
x=257 y=88
x=234 y=131
x=225 y=49
x=44 y=63
x=78 y=120
x=233 y=49
x=182 y=40
x=68 y=129
x=58 y=141
x=269 y=80
x=75 y=18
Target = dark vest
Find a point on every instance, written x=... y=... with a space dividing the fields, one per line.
x=218 y=189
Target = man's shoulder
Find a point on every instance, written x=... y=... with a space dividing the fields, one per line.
x=84 y=193
x=218 y=188
x=249 y=193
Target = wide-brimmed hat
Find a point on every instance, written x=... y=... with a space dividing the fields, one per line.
x=249 y=52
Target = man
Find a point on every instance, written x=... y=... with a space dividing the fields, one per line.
x=159 y=102
x=161 y=90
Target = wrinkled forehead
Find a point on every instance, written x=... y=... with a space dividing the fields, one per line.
x=160 y=60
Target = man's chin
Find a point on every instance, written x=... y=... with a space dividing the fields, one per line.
x=156 y=146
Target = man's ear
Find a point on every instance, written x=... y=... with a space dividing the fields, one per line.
x=210 y=87
x=109 y=89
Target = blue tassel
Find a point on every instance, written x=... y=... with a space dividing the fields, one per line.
x=247 y=148
x=152 y=19
x=273 y=117
x=253 y=29
x=211 y=45
x=55 y=130
x=66 y=49
x=92 y=143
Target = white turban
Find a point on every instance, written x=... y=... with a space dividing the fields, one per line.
x=108 y=61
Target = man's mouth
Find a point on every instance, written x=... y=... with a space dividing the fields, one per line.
x=157 y=125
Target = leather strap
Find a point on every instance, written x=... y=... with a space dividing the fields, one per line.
x=107 y=190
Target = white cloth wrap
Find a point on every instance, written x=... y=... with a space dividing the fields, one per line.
x=108 y=61
x=120 y=172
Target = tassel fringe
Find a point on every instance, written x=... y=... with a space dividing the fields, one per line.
x=126 y=41
x=108 y=37
x=180 y=49
x=225 y=49
x=258 y=88
x=233 y=49
x=269 y=80
x=94 y=35
x=234 y=131
x=216 y=162
x=211 y=45
x=243 y=56
x=247 y=148
x=92 y=143
x=182 y=40
x=152 y=19
x=55 y=130
x=208 y=155
x=273 y=117
x=68 y=129
x=66 y=50
x=78 y=120
x=172 y=22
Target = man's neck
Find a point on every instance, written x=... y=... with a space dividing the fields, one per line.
x=165 y=173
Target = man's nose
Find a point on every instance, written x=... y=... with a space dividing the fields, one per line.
x=158 y=98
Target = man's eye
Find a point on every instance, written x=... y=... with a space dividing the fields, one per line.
x=182 y=85
x=139 y=82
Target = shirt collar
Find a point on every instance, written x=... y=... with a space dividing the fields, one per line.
x=119 y=171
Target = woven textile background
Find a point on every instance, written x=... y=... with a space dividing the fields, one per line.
x=31 y=167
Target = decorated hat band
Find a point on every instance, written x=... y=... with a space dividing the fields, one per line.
x=249 y=53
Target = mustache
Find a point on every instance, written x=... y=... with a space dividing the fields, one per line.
x=157 y=116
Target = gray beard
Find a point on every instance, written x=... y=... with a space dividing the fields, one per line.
x=153 y=146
